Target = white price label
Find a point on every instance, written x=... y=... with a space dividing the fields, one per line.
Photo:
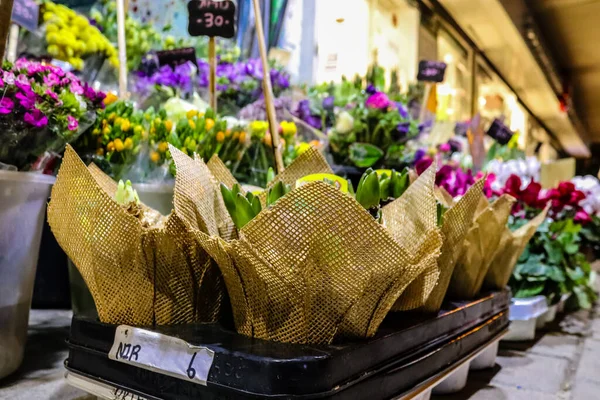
x=160 y=353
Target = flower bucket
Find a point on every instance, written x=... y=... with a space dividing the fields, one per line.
x=158 y=196
x=23 y=199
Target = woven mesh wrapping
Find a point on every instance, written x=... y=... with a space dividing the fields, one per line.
x=413 y=230
x=316 y=265
x=510 y=248
x=479 y=247
x=457 y=221
x=137 y=275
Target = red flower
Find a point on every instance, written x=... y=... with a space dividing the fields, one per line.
x=565 y=196
x=529 y=196
x=422 y=165
x=582 y=217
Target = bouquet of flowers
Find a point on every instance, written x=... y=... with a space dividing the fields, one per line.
x=372 y=132
x=71 y=37
x=552 y=264
x=240 y=83
x=42 y=108
x=164 y=83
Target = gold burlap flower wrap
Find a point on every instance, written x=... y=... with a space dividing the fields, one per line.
x=137 y=274
x=316 y=265
x=457 y=221
x=479 y=247
x=511 y=246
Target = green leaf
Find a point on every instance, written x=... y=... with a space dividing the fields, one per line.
x=245 y=212
x=583 y=299
x=556 y=274
x=530 y=290
x=572 y=248
x=555 y=254
x=365 y=155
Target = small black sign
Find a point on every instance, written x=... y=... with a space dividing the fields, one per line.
x=177 y=57
x=26 y=14
x=431 y=71
x=212 y=18
x=500 y=132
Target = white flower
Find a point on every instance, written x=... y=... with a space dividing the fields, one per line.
x=344 y=123
x=591 y=187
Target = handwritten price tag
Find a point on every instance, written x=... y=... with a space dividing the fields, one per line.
x=26 y=13
x=212 y=18
x=160 y=353
x=431 y=71
x=177 y=57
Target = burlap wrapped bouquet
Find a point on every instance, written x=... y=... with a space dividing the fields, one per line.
x=316 y=265
x=141 y=270
x=456 y=222
x=511 y=246
x=479 y=247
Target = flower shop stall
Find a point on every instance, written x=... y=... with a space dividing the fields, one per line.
x=230 y=234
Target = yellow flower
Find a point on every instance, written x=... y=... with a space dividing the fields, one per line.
x=302 y=148
x=112 y=117
x=157 y=121
x=236 y=136
x=119 y=146
x=163 y=147
x=100 y=151
x=138 y=130
x=514 y=141
x=192 y=123
x=191 y=114
x=155 y=157
x=106 y=130
x=110 y=147
x=210 y=123
x=125 y=125
x=288 y=128
x=220 y=137
x=242 y=137
x=228 y=133
x=259 y=127
x=128 y=144
x=96 y=132
x=118 y=121
x=169 y=125
x=110 y=98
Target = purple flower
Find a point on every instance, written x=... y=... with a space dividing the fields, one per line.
x=371 y=89
x=26 y=99
x=6 y=105
x=72 y=123
x=402 y=110
x=401 y=132
x=36 y=118
x=51 y=79
x=419 y=154
x=379 y=101
x=328 y=103
x=455 y=146
x=53 y=96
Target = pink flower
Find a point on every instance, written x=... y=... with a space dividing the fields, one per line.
x=26 y=99
x=8 y=77
x=23 y=83
x=51 y=79
x=36 y=118
x=76 y=88
x=582 y=217
x=422 y=165
x=6 y=105
x=379 y=101
x=21 y=63
x=445 y=148
x=54 y=97
x=73 y=124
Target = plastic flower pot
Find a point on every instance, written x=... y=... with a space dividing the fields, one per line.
x=23 y=199
x=158 y=196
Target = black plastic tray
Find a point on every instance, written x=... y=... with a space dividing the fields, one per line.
x=257 y=369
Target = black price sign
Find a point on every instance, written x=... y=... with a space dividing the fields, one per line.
x=212 y=18
x=431 y=71
x=26 y=13
x=500 y=132
x=177 y=57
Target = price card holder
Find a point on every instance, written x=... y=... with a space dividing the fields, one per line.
x=500 y=132
x=177 y=57
x=162 y=354
x=334 y=180
x=431 y=71
x=212 y=18
x=26 y=14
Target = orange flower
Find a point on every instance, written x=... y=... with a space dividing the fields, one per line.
x=220 y=137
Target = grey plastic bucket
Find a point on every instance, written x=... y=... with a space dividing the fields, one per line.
x=23 y=198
